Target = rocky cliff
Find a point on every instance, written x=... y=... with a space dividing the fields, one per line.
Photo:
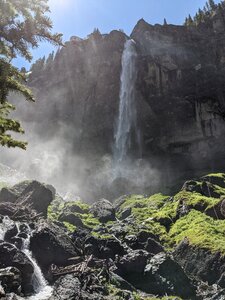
x=180 y=94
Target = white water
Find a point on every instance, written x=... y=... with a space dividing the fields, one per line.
x=127 y=119
x=41 y=288
x=4 y=226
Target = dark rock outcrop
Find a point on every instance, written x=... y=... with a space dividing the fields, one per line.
x=10 y=256
x=165 y=276
x=201 y=263
x=11 y=280
x=51 y=245
x=38 y=195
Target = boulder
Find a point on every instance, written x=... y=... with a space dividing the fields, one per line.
x=198 y=262
x=66 y=288
x=30 y=192
x=153 y=246
x=72 y=219
x=144 y=235
x=11 y=280
x=50 y=244
x=10 y=256
x=133 y=263
x=10 y=233
x=163 y=276
x=39 y=195
x=103 y=210
x=8 y=195
x=69 y=288
x=121 y=283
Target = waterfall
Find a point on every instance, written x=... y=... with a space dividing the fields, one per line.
x=126 y=127
x=41 y=288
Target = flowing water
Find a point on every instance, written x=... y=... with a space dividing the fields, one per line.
x=41 y=288
x=126 y=127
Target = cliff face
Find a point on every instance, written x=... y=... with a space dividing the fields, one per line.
x=180 y=93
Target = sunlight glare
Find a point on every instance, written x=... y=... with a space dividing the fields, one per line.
x=60 y=4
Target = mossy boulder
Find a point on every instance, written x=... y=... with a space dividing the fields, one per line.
x=103 y=210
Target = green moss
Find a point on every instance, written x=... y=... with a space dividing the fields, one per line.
x=218 y=175
x=69 y=226
x=200 y=230
x=58 y=206
x=140 y=297
x=89 y=220
x=102 y=236
x=196 y=200
x=138 y=201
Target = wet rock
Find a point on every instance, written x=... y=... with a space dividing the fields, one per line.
x=11 y=232
x=165 y=276
x=17 y=241
x=103 y=210
x=153 y=246
x=11 y=280
x=51 y=245
x=10 y=256
x=2 y=291
x=72 y=219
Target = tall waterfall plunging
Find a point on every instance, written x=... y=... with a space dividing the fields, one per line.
x=126 y=126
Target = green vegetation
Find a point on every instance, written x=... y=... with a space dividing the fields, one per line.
x=200 y=230
x=159 y=214
x=58 y=206
x=138 y=297
x=196 y=200
x=204 y=15
x=23 y=25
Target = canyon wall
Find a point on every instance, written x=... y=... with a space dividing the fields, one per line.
x=179 y=95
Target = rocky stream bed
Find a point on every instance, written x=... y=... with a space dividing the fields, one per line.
x=136 y=248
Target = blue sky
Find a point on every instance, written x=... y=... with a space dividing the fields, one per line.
x=80 y=17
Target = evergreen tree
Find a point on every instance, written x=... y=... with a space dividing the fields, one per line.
x=200 y=15
x=212 y=4
x=23 y=24
x=165 y=22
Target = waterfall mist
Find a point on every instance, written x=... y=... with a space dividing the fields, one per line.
x=54 y=130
